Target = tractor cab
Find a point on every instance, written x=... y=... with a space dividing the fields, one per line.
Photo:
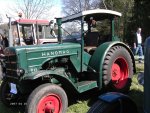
x=94 y=26
x=29 y=32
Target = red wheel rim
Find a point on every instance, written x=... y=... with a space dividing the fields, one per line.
x=50 y=104
x=119 y=73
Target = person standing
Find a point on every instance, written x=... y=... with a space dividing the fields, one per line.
x=138 y=44
x=4 y=42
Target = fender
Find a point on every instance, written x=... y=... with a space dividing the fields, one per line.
x=98 y=57
x=58 y=74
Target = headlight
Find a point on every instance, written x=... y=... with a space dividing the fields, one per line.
x=20 y=72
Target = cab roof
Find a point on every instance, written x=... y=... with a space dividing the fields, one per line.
x=30 y=21
x=97 y=14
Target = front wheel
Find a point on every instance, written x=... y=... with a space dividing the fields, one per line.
x=117 y=69
x=47 y=98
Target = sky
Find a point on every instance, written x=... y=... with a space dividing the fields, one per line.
x=5 y=4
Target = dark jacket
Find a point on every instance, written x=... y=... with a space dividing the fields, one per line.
x=5 y=42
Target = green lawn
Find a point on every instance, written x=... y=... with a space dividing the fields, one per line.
x=83 y=102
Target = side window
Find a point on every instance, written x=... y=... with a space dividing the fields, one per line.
x=40 y=32
x=26 y=34
x=15 y=35
x=50 y=32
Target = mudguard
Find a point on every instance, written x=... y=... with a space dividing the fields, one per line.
x=96 y=61
x=41 y=73
x=58 y=74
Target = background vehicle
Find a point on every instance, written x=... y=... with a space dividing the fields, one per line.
x=73 y=37
x=28 y=32
x=32 y=32
x=47 y=72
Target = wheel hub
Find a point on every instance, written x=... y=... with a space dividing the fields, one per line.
x=49 y=107
x=50 y=104
x=119 y=73
x=115 y=71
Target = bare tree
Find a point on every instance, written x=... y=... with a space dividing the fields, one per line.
x=75 y=6
x=103 y=5
x=33 y=8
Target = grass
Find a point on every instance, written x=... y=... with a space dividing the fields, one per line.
x=83 y=102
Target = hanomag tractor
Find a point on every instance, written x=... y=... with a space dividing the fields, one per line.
x=46 y=72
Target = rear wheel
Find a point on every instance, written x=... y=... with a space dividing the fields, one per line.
x=118 y=69
x=47 y=98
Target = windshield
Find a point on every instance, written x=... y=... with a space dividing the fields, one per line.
x=71 y=30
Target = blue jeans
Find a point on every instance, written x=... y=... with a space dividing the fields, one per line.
x=139 y=51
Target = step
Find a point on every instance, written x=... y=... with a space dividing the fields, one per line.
x=86 y=85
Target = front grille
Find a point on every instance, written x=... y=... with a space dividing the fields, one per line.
x=11 y=65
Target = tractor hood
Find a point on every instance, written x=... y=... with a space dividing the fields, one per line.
x=56 y=48
x=31 y=58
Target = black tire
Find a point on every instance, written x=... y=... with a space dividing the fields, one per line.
x=117 y=69
x=120 y=106
x=104 y=107
x=47 y=95
x=6 y=97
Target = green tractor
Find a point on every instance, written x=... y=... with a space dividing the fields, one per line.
x=28 y=32
x=47 y=72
